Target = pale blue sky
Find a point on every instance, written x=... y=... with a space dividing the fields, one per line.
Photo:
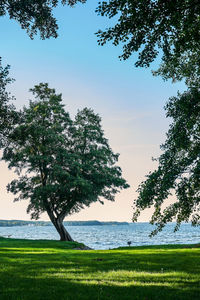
x=129 y=100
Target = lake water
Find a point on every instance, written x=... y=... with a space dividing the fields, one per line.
x=108 y=236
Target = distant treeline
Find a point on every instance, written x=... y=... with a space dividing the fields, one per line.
x=91 y=223
x=8 y=223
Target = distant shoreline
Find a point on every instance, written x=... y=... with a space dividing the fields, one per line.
x=11 y=223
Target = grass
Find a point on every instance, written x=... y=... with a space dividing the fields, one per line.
x=34 y=270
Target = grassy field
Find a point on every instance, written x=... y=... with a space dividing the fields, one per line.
x=43 y=270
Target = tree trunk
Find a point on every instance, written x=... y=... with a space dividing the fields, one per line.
x=64 y=235
x=58 y=223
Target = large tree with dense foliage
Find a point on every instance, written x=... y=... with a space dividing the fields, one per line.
x=63 y=164
x=171 y=29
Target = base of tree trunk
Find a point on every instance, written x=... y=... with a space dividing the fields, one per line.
x=64 y=235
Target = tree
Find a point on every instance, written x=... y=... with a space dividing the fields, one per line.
x=179 y=166
x=34 y=16
x=148 y=26
x=8 y=115
x=63 y=164
x=171 y=29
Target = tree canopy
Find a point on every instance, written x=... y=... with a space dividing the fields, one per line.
x=8 y=115
x=141 y=26
x=63 y=164
x=170 y=29
x=35 y=16
x=179 y=166
x=149 y=26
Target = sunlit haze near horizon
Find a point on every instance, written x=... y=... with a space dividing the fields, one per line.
x=129 y=100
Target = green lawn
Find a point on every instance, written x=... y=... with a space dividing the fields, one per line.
x=53 y=270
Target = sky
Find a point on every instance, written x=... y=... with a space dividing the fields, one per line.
x=129 y=100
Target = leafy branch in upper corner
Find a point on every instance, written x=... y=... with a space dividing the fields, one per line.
x=147 y=27
x=34 y=16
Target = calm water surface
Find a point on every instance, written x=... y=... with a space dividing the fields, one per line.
x=108 y=236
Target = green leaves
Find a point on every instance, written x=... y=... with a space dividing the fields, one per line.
x=172 y=29
x=8 y=115
x=179 y=166
x=35 y=16
x=149 y=26
x=63 y=164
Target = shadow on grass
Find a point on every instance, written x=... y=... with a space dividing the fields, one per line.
x=47 y=244
x=95 y=261
x=34 y=288
x=29 y=271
